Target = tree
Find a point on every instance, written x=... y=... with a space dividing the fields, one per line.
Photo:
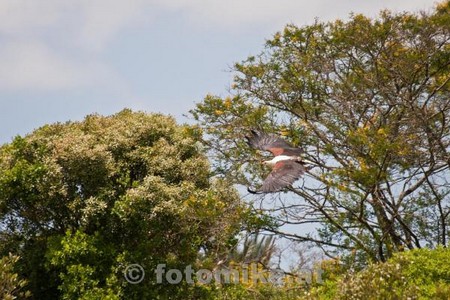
x=416 y=274
x=80 y=201
x=11 y=286
x=368 y=100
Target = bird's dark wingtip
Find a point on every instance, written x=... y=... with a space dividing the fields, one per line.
x=250 y=137
x=251 y=191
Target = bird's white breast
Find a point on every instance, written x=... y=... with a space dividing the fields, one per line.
x=280 y=158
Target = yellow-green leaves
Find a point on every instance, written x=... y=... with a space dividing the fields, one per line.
x=11 y=285
x=417 y=274
x=367 y=99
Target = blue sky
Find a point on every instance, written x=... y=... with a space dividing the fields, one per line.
x=61 y=60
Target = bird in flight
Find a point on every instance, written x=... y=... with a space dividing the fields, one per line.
x=287 y=165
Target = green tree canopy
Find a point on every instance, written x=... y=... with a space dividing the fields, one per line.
x=10 y=284
x=79 y=201
x=368 y=100
x=416 y=274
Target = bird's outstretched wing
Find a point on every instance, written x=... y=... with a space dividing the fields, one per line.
x=272 y=143
x=283 y=174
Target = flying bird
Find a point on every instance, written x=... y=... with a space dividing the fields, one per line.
x=287 y=165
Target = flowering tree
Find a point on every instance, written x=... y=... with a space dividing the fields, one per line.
x=80 y=201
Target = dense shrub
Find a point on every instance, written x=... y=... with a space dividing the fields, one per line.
x=415 y=274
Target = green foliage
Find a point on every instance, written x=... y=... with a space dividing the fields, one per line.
x=368 y=101
x=77 y=256
x=415 y=274
x=11 y=285
x=80 y=201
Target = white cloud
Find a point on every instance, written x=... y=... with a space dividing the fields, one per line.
x=18 y=17
x=103 y=19
x=93 y=23
x=33 y=65
x=54 y=44
x=90 y=24
x=234 y=14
